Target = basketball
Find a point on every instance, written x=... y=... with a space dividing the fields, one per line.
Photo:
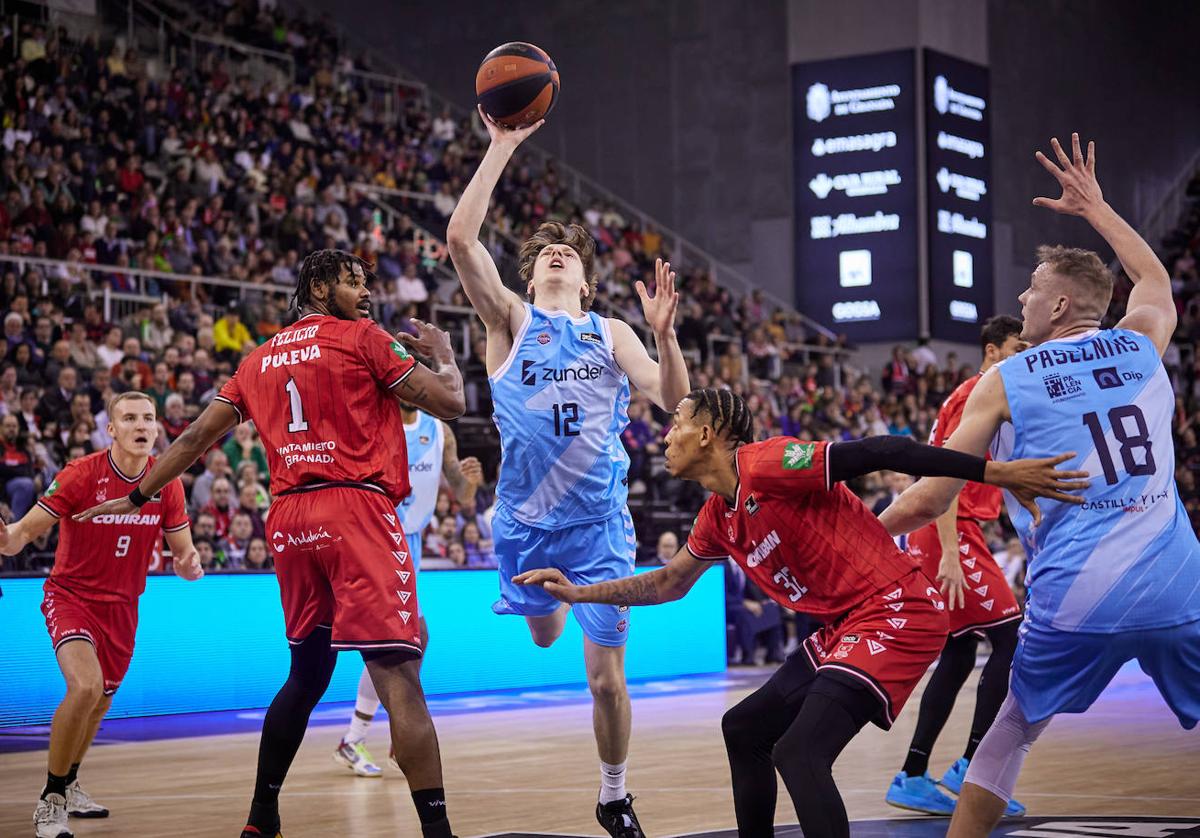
x=517 y=84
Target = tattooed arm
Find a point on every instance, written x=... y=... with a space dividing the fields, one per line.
x=663 y=585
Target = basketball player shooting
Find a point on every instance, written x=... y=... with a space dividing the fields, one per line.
x=1117 y=578
x=781 y=510
x=91 y=597
x=324 y=394
x=560 y=377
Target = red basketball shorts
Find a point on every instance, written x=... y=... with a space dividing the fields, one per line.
x=988 y=600
x=887 y=642
x=343 y=563
x=109 y=626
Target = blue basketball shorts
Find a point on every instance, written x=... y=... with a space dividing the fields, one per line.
x=1064 y=672
x=595 y=552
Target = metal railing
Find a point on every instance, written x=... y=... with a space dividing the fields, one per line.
x=282 y=64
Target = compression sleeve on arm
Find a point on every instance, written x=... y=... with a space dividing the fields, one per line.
x=848 y=460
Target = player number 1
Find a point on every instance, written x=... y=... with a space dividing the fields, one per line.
x=123 y=546
x=298 y=423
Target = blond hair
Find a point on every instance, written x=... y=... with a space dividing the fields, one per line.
x=574 y=237
x=128 y=395
x=1086 y=272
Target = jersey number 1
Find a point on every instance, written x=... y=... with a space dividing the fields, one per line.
x=1130 y=442
x=298 y=423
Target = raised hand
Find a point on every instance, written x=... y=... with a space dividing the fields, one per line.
x=429 y=342
x=551 y=581
x=472 y=471
x=507 y=137
x=659 y=310
x=1076 y=175
x=188 y=567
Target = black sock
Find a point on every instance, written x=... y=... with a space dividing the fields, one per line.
x=916 y=763
x=264 y=816
x=431 y=809
x=55 y=785
x=73 y=774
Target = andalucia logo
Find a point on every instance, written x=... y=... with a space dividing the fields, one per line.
x=400 y=351
x=798 y=455
x=53 y=488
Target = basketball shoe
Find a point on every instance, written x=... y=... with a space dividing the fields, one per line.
x=255 y=832
x=953 y=780
x=357 y=758
x=81 y=805
x=618 y=818
x=50 y=818
x=919 y=794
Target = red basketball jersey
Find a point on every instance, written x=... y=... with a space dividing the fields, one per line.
x=977 y=500
x=318 y=394
x=106 y=559
x=809 y=545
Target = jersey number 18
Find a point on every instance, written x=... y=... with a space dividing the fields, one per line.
x=1130 y=442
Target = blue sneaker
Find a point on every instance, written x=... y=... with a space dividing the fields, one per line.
x=953 y=781
x=920 y=794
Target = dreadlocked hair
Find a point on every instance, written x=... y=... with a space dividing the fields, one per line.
x=730 y=415
x=324 y=267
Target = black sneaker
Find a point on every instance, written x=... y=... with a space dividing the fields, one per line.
x=255 y=832
x=618 y=818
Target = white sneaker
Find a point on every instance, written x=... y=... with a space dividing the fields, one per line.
x=50 y=818
x=81 y=805
x=357 y=758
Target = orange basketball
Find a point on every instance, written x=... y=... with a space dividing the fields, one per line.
x=517 y=84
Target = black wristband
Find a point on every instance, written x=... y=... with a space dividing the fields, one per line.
x=137 y=498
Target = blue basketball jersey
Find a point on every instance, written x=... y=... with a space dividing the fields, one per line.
x=424 y=439
x=1127 y=558
x=560 y=406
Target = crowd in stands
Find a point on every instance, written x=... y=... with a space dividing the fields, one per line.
x=200 y=170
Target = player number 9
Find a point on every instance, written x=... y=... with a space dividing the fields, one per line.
x=122 y=546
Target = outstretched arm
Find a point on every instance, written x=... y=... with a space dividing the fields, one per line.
x=666 y=584
x=480 y=279
x=1151 y=308
x=665 y=382
x=218 y=419
x=14 y=537
x=985 y=410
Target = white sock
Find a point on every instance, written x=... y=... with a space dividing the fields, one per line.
x=612 y=782
x=366 y=704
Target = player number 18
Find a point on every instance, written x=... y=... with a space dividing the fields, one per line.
x=1139 y=440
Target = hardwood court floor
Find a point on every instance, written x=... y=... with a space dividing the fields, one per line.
x=535 y=770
